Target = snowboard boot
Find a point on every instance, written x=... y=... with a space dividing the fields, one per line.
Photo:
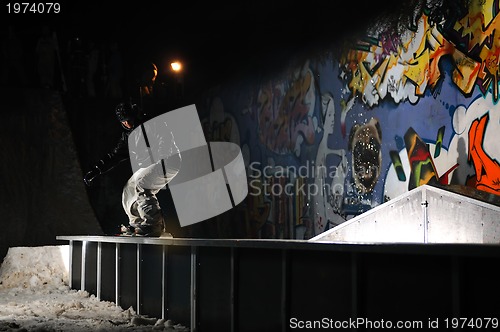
x=149 y=230
x=146 y=230
x=127 y=230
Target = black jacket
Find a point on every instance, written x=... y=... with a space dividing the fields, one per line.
x=117 y=155
x=165 y=146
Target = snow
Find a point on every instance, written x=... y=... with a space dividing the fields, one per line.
x=35 y=296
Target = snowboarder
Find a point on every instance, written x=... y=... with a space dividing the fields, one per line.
x=139 y=194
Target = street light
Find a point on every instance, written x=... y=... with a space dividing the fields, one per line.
x=176 y=66
x=179 y=79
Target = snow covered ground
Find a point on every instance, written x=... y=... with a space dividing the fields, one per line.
x=35 y=296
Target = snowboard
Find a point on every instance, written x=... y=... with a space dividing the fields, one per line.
x=128 y=231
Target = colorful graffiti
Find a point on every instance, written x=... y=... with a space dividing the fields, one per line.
x=285 y=113
x=405 y=66
x=422 y=168
x=256 y=209
x=464 y=162
x=220 y=125
x=479 y=30
x=397 y=110
x=487 y=177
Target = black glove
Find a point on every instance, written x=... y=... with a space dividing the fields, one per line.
x=91 y=175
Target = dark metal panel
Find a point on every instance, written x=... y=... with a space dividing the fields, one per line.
x=259 y=292
x=285 y=289
x=194 y=288
x=91 y=268
x=108 y=267
x=214 y=289
x=128 y=276
x=178 y=274
x=479 y=286
x=320 y=285
x=405 y=287
x=234 y=288
x=164 y=281
x=151 y=280
x=259 y=286
x=76 y=268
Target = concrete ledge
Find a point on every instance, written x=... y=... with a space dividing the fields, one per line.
x=425 y=214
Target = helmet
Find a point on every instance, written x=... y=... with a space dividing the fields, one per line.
x=147 y=73
x=127 y=111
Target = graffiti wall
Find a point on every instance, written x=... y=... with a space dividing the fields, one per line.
x=339 y=134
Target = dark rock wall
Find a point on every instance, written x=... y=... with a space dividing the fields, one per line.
x=41 y=192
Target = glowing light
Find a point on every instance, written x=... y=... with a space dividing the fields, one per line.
x=176 y=66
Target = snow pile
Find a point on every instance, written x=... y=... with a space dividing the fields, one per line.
x=35 y=296
x=35 y=267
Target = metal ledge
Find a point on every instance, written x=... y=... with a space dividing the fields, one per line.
x=225 y=284
x=468 y=249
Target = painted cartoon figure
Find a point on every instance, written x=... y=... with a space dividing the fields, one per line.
x=327 y=203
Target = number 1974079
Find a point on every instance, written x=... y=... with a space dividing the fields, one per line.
x=33 y=7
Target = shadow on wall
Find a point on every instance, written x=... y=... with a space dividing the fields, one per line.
x=42 y=192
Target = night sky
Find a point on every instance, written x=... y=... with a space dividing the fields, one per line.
x=215 y=40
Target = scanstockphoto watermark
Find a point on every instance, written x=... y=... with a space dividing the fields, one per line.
x=382 y=324
x=319 y=179
x=356 y=323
